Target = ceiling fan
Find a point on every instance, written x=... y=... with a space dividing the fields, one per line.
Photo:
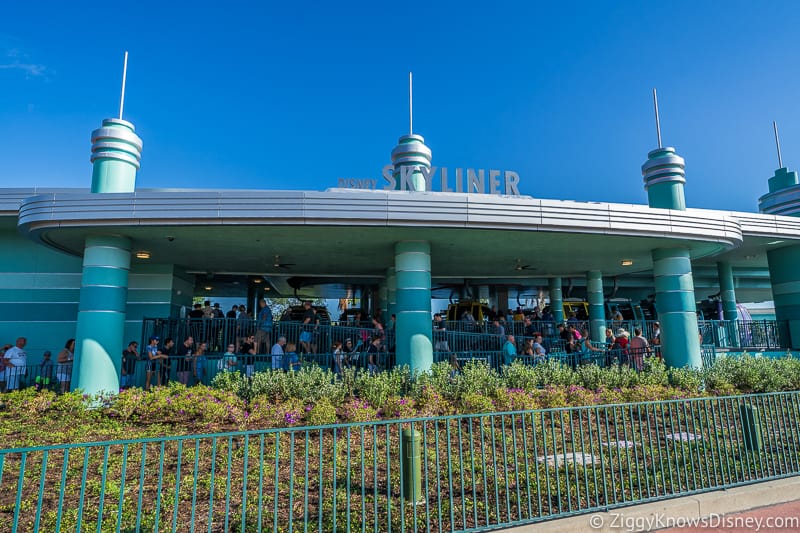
x=277 y=263
x=518 y=266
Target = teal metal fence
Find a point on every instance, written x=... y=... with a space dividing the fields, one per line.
x=456 y=473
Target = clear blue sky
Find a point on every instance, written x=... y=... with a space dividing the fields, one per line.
x=297 y=94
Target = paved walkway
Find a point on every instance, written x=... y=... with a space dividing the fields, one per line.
x=782 y=517
x=767 y=506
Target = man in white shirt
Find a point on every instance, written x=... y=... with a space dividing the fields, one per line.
x=14 y=360
x=277 y=353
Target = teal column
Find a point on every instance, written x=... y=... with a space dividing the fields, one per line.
x=675 y=304
x=597 y=311
x=556 y=299
x=383 y=303
x=726 y=290
x=391 y=293
x=116 y=151
x=784 y=275
x=414 y=328
x=101 y=314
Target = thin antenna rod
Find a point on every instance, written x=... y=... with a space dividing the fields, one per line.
x=410 y=104
x=777 y=144
x=124 y=76
x=658 y=121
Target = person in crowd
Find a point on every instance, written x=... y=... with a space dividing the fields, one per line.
x=208 y=311
x=609 y=340
x=518 y=315
x=244 y=325
x=166 y=362
x=154 y=355
x=440 y=334
x=248 y=352
x=373 y=355
x=228 y=362
x=200 y=363
x=338 y=358
x=509 y=350
x=528 y=329
x=129 y=358
x=264 y=327
x=656 y=339
x=588 y=350
x=547 y=314
x=621 y=342
x=639 y=349
x=307 y=326
x=314 y=342
x=45 y=372
x=277 y=353
x=196 y=326
x=350 y=353
x=497 y=329
x=15 y=362
x=392 y=321
x=539 y=353
x=493 y=314
x=527 y=347
x=64 y=368
x=291 y=360
x=184 y=362
x=455 y=366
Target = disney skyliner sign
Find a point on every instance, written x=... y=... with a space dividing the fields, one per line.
x=471 y=181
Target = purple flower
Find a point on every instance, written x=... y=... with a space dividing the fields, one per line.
x=183 y=412
x=308 y=408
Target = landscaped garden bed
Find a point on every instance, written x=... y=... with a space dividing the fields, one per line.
x=476 y=470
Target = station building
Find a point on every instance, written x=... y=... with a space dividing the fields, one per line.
x=93 y=263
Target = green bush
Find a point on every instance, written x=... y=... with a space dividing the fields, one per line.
x=321 y=413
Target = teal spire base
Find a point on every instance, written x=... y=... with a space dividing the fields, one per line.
x=664 y=177
x=783 y=179
x=116 y=152
x=409 y=157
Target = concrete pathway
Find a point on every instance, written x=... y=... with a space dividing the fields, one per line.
x=767 y=506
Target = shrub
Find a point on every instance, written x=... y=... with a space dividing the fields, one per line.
x=477 y=378
x=688 y=379
x=264 y=413
x=355 y=410
x=308 y=385
x=398 y=407
x=234 y=382
x=521 y=376
x=474 y=402
x=321 y=413
x=430 y=402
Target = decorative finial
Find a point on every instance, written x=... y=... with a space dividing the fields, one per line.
x=124 y=76
x=658 y=122
x=777 y=144
x=410 y=104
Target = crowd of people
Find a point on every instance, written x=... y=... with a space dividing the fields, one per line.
x=48 y=374
x=251 y=341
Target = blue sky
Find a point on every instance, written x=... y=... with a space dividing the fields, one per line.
x=297 y=94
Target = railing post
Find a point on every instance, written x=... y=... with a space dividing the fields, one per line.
x=411 y=466
x=751 y=428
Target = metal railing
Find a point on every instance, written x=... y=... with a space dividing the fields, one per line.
x=455 y=473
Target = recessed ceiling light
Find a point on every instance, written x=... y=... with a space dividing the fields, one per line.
x=208 y=287
x=142 y=255
x=774 y=242
x=749 y=257
x=257 y=280
x=626 y=262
